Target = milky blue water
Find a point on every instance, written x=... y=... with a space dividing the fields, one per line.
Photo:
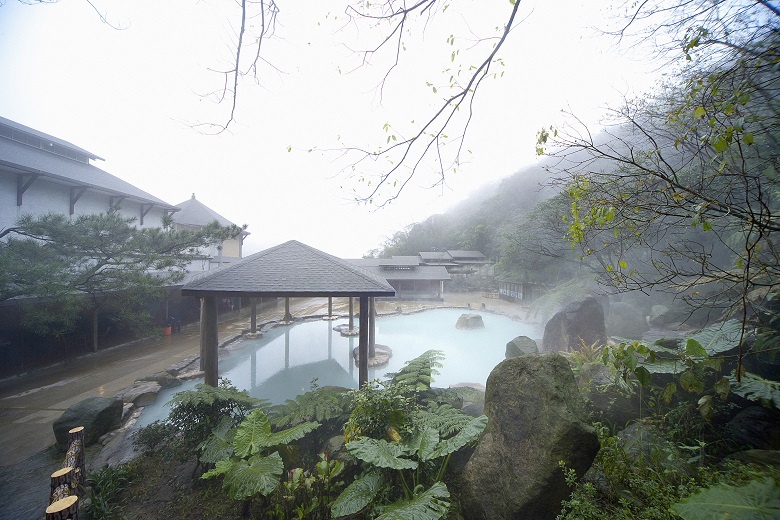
x=283 y=363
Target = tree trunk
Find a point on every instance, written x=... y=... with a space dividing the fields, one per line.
x=95 y=329
x=65 y=509
x=61 y=484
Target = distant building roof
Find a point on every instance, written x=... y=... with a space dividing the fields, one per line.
x=466 y=255
x=19 y=158
x=290 y=269
x=17 y=128
x=400 y=261
x=422 y=272
x=435 y=255
x=24 y=150
x=193 y=212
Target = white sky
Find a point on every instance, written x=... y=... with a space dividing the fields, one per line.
x=129 y=96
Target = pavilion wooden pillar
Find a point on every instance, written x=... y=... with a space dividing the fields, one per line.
x=371 y=328
x=363 y=342
x=287 y=315
x=253 y=318
x=330 y=306
x=351 y=315
x=209 y=340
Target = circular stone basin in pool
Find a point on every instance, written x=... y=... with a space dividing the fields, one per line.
x=287 y=359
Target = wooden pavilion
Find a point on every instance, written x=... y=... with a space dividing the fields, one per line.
x=288 y=270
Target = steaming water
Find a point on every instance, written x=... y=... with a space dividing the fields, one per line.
x=283 y=363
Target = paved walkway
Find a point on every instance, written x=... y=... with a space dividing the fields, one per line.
x=30 y=404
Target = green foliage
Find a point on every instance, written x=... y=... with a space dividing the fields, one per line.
x=758 y=389
x=154 y=436
x=246 y=469
x=309 y=494
x=194 y=415
x=441 y=417
x=758 y=500
x=105 y=485
x=418 y=373
x=403 y=447
x=627 y=486
x=430 y=504
x=98 y=261
x=359 y=494
x=625 y=362
x=716 y=339
x=322 y=404
x=380 y=408
x=244 y=478
x=380 y=453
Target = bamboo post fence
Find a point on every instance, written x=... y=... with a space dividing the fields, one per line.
x=63 y=501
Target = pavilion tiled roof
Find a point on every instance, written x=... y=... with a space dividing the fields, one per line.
x=290 y=269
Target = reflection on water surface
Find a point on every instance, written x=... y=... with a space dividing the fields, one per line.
x=283 y=363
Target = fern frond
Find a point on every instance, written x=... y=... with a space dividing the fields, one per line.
x=318 y=405
x=443 y=418
x=418 y=373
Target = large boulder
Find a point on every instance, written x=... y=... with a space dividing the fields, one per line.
x=536 y=418
x=142 y=393
x=164 y=379
x=521 y=346
x=755 y=427
x=470 y=321
x=579 y=322
x=98 y=415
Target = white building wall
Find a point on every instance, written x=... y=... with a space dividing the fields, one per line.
x=44 y=197
x=8 y=214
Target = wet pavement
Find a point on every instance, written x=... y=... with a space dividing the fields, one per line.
x=30 y=403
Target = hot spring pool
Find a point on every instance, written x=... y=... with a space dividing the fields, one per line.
x=283 y=363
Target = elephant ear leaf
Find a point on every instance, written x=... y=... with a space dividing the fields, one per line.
x=428 y=505
x=357 y=495
x=259 y=474
x=760 y=499
x=219 y=444
x=251 y=434
x=380 y=453
x=423 y=443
